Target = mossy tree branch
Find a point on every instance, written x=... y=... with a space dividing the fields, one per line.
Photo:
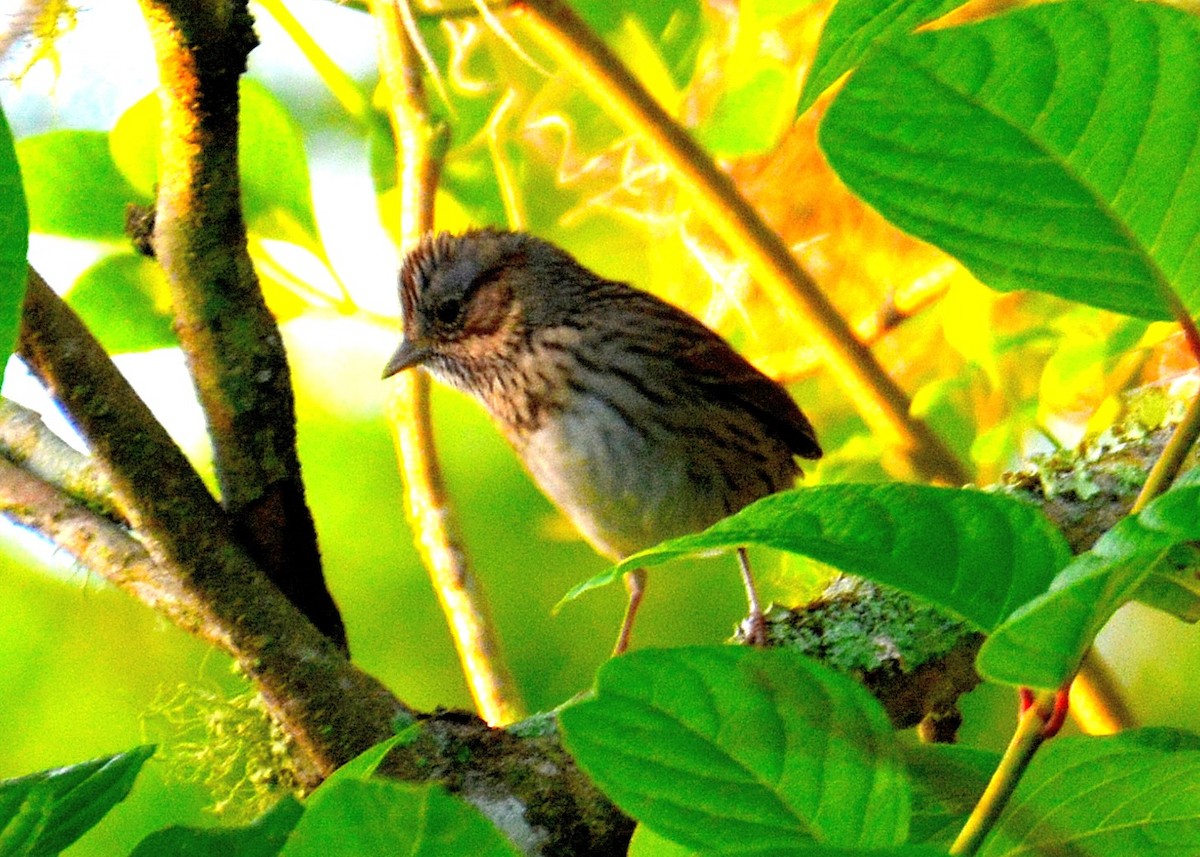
x=182 y=560
x=193 y=568
x=232 y=344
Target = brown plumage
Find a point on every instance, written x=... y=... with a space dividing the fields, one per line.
x=634 y=418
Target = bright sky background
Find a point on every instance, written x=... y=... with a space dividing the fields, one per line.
x=106 y=64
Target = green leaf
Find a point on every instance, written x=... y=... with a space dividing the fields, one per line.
x=1174 y=584
x=355 y=817
x=977 y=555
x=854 y=27
x=1051 y=148
x=947 y=782
x=363 y=766
x=14 y=241
x=1043 y=642
x=73 y=186
x=730 y=750
x=43 y=813
x=276 y=194
x=1085 y=357
x=123 y=299
x=264 y=837
x=647 y=843
x=1128 y=794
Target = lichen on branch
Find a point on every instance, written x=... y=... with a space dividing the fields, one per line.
x=233 y=347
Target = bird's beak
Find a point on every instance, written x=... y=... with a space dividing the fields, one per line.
x=409 y=354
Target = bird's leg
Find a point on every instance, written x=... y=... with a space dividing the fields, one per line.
x=757 y=633
x=635 y=585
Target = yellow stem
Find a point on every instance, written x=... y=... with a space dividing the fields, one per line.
x=1025 y=742
x=420 y=147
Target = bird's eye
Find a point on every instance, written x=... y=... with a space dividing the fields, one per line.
x=448 y=311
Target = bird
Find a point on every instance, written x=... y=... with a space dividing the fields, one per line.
x=635 y=419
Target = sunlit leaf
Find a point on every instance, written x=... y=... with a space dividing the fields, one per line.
x=124 y=302
x=1043 y=642
x=351 y=818
x=750 y=116
x=133 y=144
x=945 y=405
x=264 y=837
x=771 y=11
x=729 y=750
x=1128 y=794
x=675 y=28
x=1050 y=148
x=14 y=238
x=276 y=195
x=854 y=27
x=978 y=555
x=73 y=187
x=1082 y=364
x=45 y=812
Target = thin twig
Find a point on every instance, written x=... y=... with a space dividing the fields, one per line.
x=331 y=709
x=420 y=148
x=27 y=442
x=880 y=401
x=893 y=311
x=98 y=543
x=233 y=348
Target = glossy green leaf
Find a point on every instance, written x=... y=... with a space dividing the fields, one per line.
x=730 y=750
x=977 y=555
x=1043 y=642
x=1050 y=148
x=356 y=817
x=276 y=194
x=854 y=27
x=123 y=299
x=43 y=813
x=14 y=242
x=264 y=837
x=73 y=187
x=1131 y=794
